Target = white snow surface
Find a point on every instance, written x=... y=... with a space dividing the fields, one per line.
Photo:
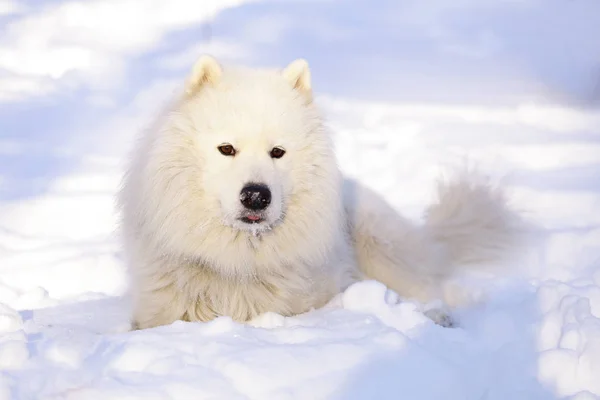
x=411 y=89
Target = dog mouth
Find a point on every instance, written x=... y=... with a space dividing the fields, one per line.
x=252 y=218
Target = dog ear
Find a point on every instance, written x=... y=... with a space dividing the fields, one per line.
x=206 y=70
x=297 y=74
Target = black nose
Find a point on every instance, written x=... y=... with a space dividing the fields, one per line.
x=255 y=196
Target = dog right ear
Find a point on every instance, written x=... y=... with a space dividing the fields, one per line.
x=297 y=73
x=206 y=70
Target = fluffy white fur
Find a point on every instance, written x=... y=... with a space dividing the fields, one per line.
x=191 y=258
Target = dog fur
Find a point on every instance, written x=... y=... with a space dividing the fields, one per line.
x=191 y=258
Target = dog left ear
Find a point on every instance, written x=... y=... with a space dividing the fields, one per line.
x=297 y=74
x=206 y=70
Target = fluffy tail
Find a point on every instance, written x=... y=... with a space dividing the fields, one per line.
x=473 y=220
x=470 y=227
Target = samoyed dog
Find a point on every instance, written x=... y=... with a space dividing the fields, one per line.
x=233 y=205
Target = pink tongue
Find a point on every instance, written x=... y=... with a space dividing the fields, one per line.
x=253 y=217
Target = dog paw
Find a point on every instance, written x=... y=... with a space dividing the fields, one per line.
x=134 y=326
x=440 y=317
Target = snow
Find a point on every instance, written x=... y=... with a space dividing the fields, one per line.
x=411 y=89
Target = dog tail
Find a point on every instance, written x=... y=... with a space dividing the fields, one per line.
x=472 y=219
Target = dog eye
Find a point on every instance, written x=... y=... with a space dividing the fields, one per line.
x=227 y=150
x=277 y=152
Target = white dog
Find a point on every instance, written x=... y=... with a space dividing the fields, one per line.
x=234 y=206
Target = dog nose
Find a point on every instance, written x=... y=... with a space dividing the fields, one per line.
x=255 y=196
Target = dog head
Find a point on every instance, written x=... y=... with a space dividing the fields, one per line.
x=256 y=136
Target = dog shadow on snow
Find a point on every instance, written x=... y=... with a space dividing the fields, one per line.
x=490 y=356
